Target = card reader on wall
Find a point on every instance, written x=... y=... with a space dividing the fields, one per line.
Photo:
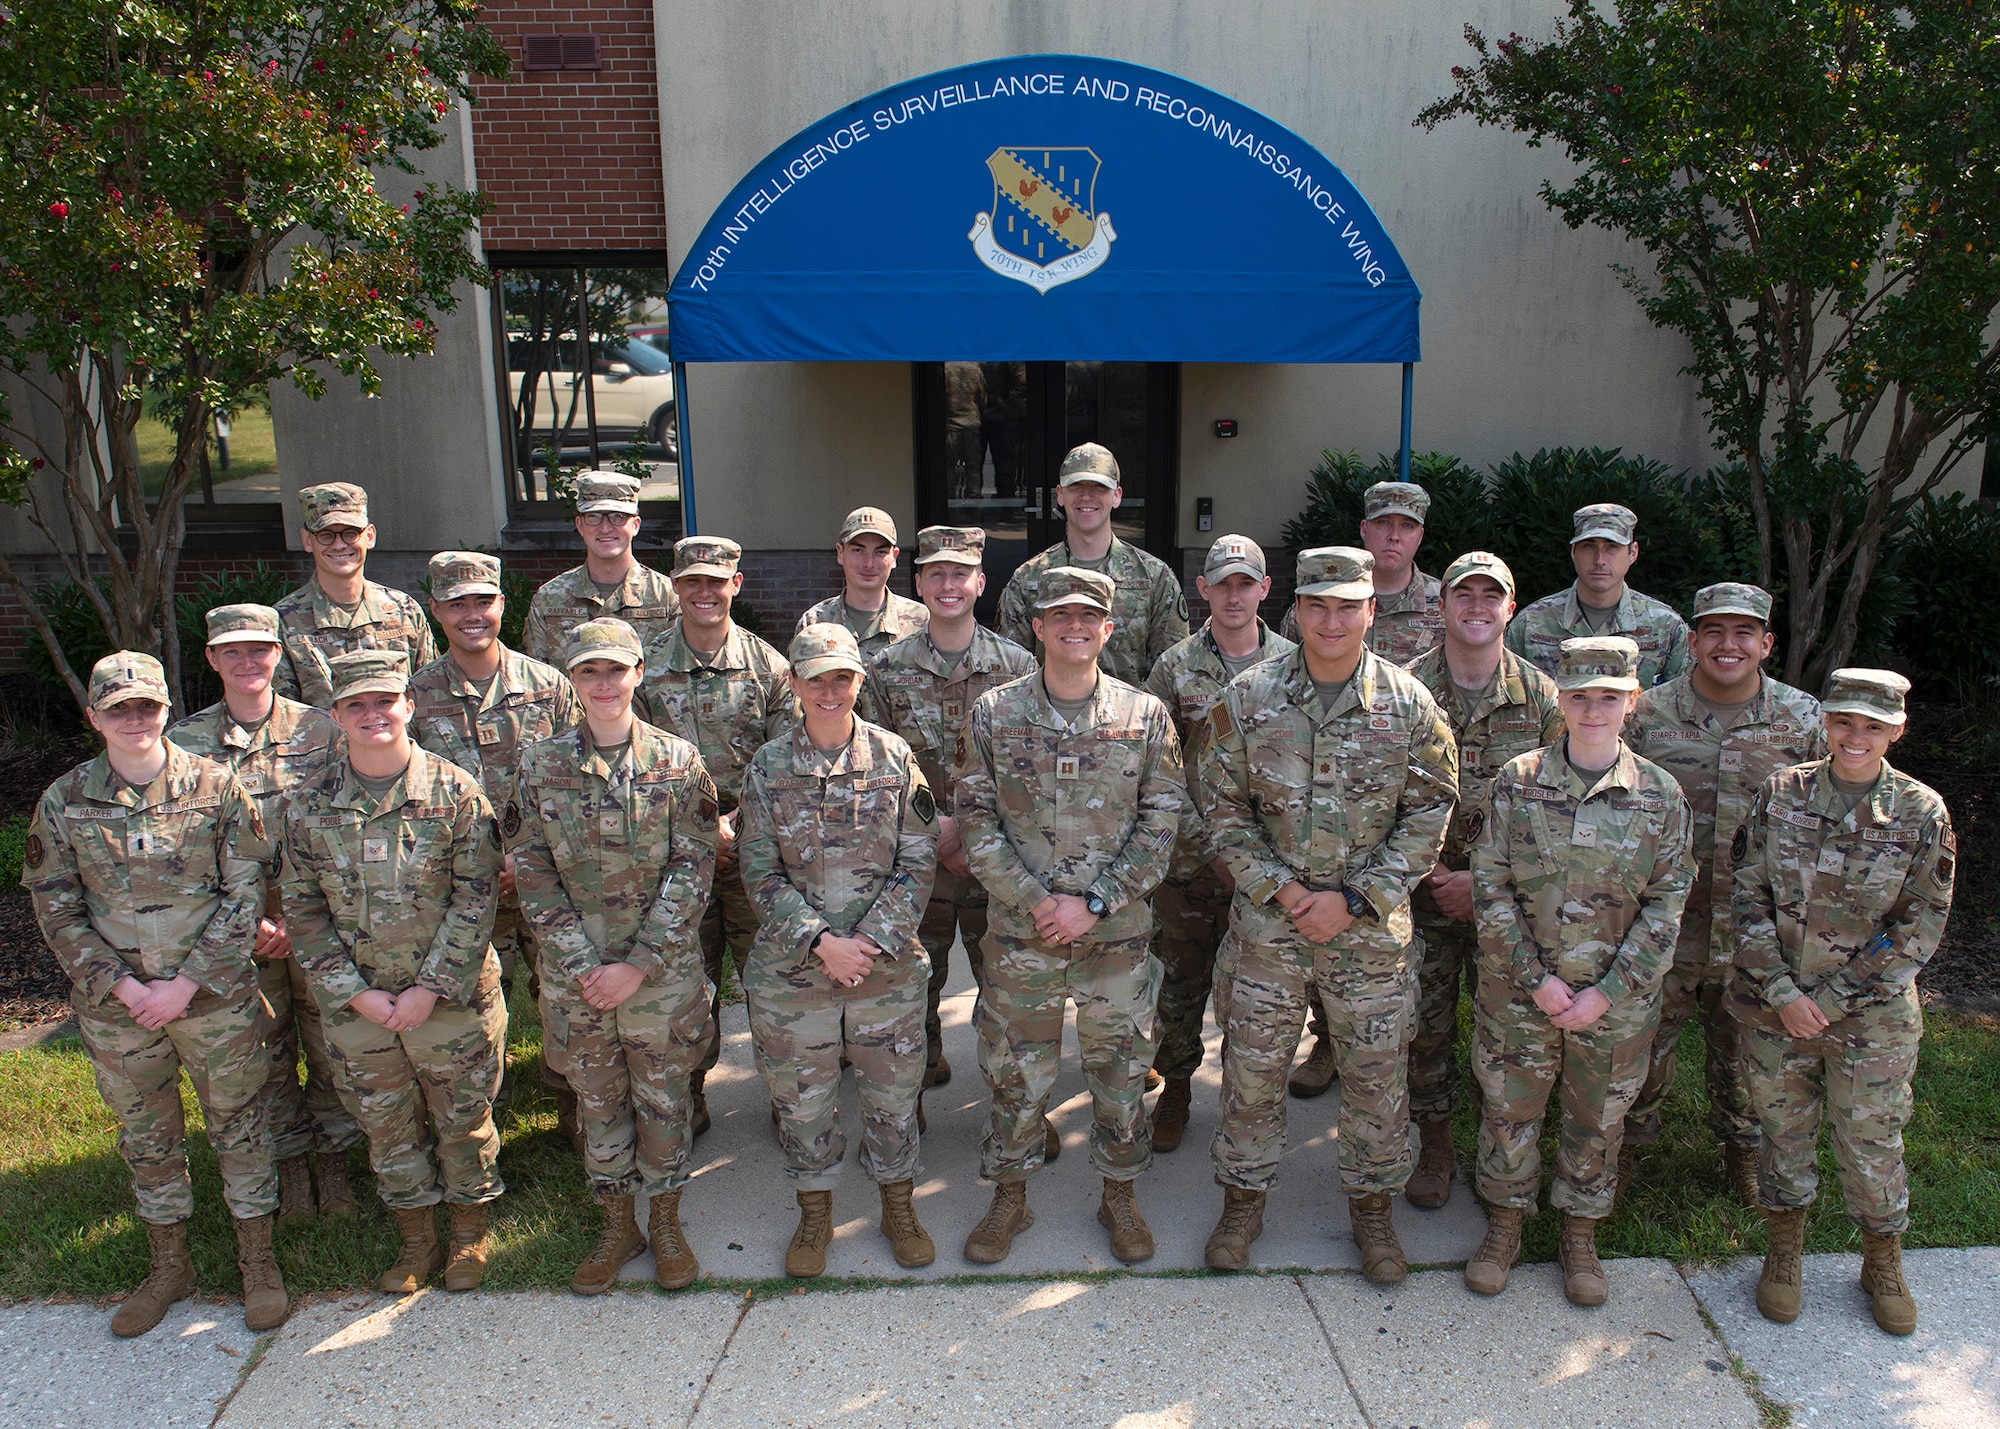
x=1204 y=513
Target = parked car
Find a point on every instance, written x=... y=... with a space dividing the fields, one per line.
x=632 y=385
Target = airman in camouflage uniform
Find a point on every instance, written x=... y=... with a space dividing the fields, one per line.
x=1149 y=609
x=1326 y=780
x=389 y=898
x=866 y=550
x=614 y=851
x=924 y=694
x=726 y=692
x=1841 y=886
x=1192 y=904
x=317 y=623
x=607 y=518
x=1603 y=549
x=1069 y=818
x=1513 y=713
x=839 y=845
x=268 y=756
x=1698 y=727
x=1580 y=877
x=148 y=894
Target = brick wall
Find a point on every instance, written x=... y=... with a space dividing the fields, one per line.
x=571 y=158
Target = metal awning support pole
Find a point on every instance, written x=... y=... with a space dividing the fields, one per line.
x=1409 y=395
x=684 y=465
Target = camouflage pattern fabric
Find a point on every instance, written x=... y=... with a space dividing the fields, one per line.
x=1581 y=879
x=1843 y=908
x=1407 y=624
x=1149 y=608
x=1517 y=715
x=844 y=842
x=1720 y=768
x=615 y=864
x=1115 y=984
x=315 y=630
x=646 y=602
x=154 y=883
x=296 y=741
x=874 y=630
x=1536 y=634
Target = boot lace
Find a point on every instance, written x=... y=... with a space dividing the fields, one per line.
x=1236 y=1217
x=816 y=1222
x=1122 y=1207
x=902 y=1218
x=1579 y=1247
x=667 y=1240
x=997 y=1213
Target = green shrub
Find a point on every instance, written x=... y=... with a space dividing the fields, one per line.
x=13 y=840
x=1950 y=557
x=260 y=585
x=1458 y=516
x=77 y=627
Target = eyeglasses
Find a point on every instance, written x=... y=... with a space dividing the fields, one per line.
x=339 y=536
x=605 y=518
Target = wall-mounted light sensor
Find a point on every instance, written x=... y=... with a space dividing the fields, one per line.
x=1225 y=426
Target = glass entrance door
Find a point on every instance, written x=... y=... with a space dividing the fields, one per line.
x=991 y=437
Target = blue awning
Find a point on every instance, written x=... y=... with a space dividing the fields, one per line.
x=1045 y=207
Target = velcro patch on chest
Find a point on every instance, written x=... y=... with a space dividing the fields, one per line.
x=1068 y=766
x=1544 y=796
x=87 y=812
x=1013 y=731
x=434 y=811
x=189 y=806
x=1887 y=836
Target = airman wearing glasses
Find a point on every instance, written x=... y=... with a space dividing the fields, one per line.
x=339 y=609
x=610 y=583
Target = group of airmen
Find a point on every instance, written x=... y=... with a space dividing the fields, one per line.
x=1597 y=821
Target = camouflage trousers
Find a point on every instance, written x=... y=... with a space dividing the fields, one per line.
x=801 y=1022
x=1448 y=959
x=305 y=1118
x=1116 y=988
x=425 y=1097
x=1521 y=1058
x=220 y=1042
x=957 y=906
x=1261 y=994
x=629 y=1068
x=1697 y=990
x=728 y=923
x=1856 y=1076
x=1189 y=918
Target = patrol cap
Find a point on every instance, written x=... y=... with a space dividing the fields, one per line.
x=1073 y=585
x=1733 y=598
x=361 y=672
x=336 y=503
x=1598 y=662
x=1606 y=521
x=607 y=491
x=608 y=638
x=234 y=624
x=457 y=573
x=1478 y=563
x=823 y=647
x=1231 y=555
x=868 y=521
x=706 y=556
x=1396 y=498
x=1343 y=572
x=960 y=545
x=1089 y=462
x=127 y=675
x=1878 y=694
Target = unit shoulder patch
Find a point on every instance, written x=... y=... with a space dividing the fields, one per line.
x=924 y=806
x=34 y=852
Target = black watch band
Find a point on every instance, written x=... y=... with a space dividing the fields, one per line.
x=1097 y=906
x=1357 y=906
x=818 y=937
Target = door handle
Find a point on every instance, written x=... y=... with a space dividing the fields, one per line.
x=1035 y=506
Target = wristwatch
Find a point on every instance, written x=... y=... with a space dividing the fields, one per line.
x=1097 y=906
x=1357 y=906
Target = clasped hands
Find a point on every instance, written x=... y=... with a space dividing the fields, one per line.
x=1062 y=918
x=405 y=1011
x=154 y=1004
x=1320 y=917
x=1571 y=1011
x=846 y=960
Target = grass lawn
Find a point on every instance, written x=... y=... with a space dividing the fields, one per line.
x=252 y=450
x=67 y=1228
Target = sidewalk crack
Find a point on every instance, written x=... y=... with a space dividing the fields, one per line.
x=694 y=1412
x=1334 y=1350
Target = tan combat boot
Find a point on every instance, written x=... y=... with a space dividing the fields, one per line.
x=265 y=1304
x=805 y=1257
x=938 y=1074
x=1583 y=1276
x=617 y=1243
x=336 y=1197
x=1118 y=1212
x=1382 y=1258
x=674 y=1265
x=1780 y=1286
x=295 y=1190
x=1006 y=1218
x=906 y=1233
x=699 y=1123
x=1430 y=1183
x=1740 y=1166
x=1170 y=1113
x=1882 y=1277
x=465 y=1265
x=1316 y=1073
x=420 y=1257
x=1486 y=1272
x=1242 y=1222
x=1051 y=1143
x=171 y=1278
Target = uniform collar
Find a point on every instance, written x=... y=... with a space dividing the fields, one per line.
x=982 y=657
x=1826 y=801
x=810 y=761
x=1557 y=773
x=1214 y=651
x=414 y=786
x=639 y=752
x=1627 y=616
x=1041 y=711
x=1414 y=596
x=104 y=785
x=376 y=606
x=734 y=654
x=1359 y=691
x=510 y=678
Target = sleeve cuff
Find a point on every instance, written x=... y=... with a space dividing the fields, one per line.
x=99 y=978
x=1782 y=992
x=1615 y=986
x=652 y=967
x=1112 y=895
x=1829 y=1002
x=343 y=987
x=447 y=991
